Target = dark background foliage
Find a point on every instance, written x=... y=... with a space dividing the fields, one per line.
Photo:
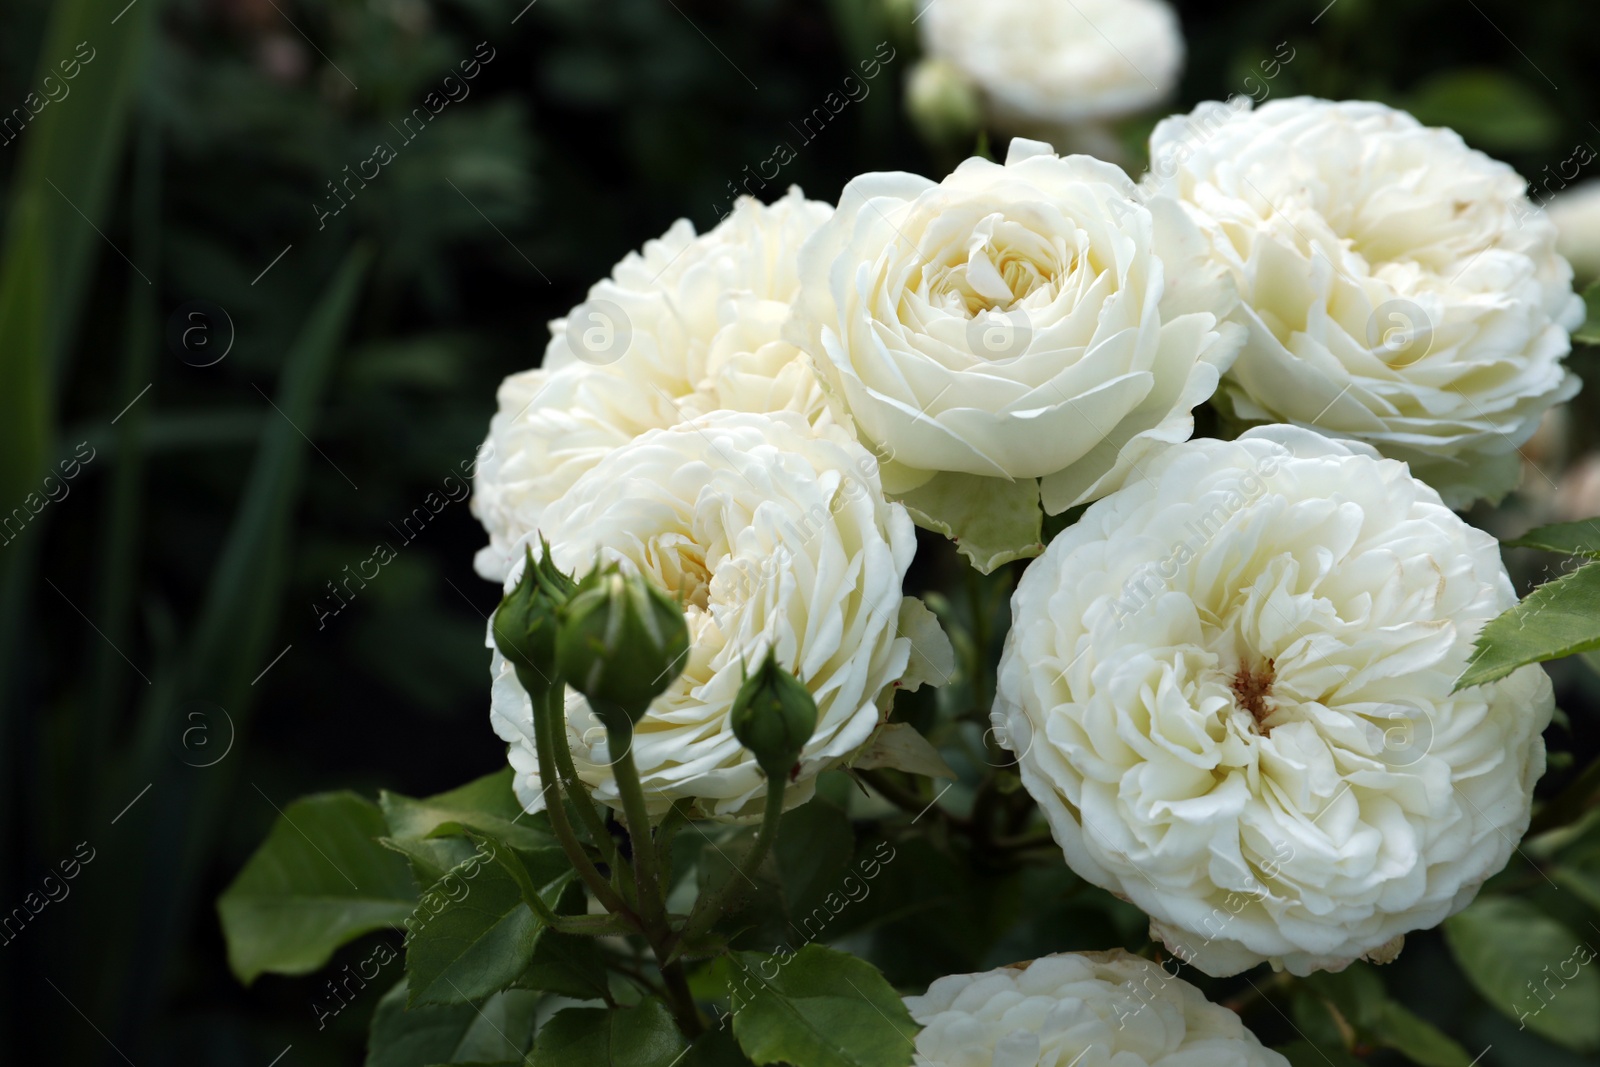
x=595 y=124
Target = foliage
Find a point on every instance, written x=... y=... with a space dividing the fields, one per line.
x=140 y=618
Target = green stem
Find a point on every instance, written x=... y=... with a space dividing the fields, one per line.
x=708 y=910
x=682 y=1000
x=593 y=821
x=647 y=872
x=547 y=704
x=908 y=800
x=676 y=819
x=1023 y=842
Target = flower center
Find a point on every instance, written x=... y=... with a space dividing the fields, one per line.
x=1002 y=264
x=678 y=566
x=1252 y=687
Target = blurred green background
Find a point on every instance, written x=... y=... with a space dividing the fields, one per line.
x=166 y=676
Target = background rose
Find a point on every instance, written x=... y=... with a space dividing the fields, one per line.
x=686 y=326
x=1058 y=61
x=1230 y=690
x=1398 y=286
x=1575 y=213
x=1089 y=1007
x=1037 y=320
x=776 y=536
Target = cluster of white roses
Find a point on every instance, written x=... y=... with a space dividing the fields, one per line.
x=1230 y=683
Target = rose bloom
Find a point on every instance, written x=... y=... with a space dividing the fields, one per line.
x=1398 y=286
x=1229 y=689
x=687 y=326
x=776 y=536
x=1053 y=62
x=1079 y=1009
x=1038 y=319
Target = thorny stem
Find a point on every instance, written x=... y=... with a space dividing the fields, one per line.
x=708 y=909
x=647 y=875
x=647 y=872
x=546 y=706
x=907 y=800
x=593 y=821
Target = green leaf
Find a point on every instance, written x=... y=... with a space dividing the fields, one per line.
x=716 y=1048
x=1557 y=619
x=1581 y=538
x=992 y=521
x=487 y=804
x=1589 y=332
x=500 y=1029
x=1356 y=991
x=1417 y=1039
x=1584 y=885
x=483 y=934
x=1317 y=1019
x=431 y=857
x=568 y=965
x=641 y=1036
x=933 y=657
x=1504 y=944
x=820 y=1008
x=814 y=846
x=898 y=746
x=758 y=916
x=319 y=881
x=1491 y=109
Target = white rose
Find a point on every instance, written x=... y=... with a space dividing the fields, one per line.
x=1058 y=61
x=1037 y=320
x=1079 y=1009
x=1576 y=215
x=1229 y=688
x=1399 y=287
x=778 y=537
x=688 y=325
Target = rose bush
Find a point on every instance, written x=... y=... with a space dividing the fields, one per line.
x=1033 y=320
x=1230 y=689
x=1398 y=286
x=774 y=537
x=1089 y=1008
x=1271 y=700
x=686 y=326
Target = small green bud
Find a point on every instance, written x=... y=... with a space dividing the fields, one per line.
x=900 y=17
x=526 y=621
x=942 y=104
x=622 y=644
x=773 y=716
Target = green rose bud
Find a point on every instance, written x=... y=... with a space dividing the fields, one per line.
x=622 y=643
x=942 y=104
x=773 y=716
x=527 y=619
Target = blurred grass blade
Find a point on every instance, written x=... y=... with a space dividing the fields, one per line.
x=120 y=535
x=57 y=199
x=239 y=613
x=227 y=649
x=57 y=196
